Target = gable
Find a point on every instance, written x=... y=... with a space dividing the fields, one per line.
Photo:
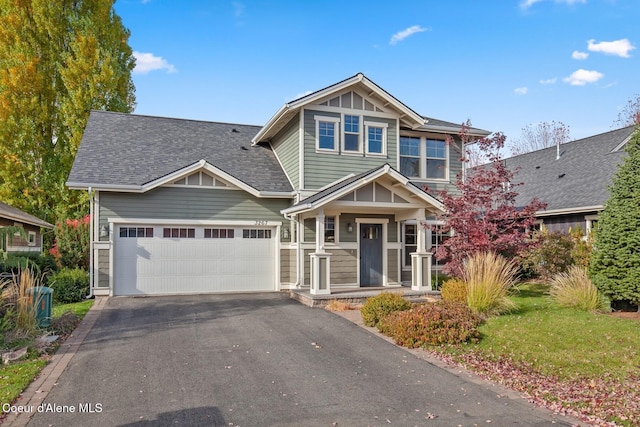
x=352 y=100
x=376 y=192
x=202 y=179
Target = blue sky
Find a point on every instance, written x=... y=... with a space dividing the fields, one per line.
x=503 y=64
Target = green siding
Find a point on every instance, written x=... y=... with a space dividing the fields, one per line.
x=190 y=204
x=321 y=169
x=287 y=147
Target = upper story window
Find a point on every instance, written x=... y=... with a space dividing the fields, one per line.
x=351 y=133
x=436 y=159
x=376 y=138
x=423 y=158
x=326 y=129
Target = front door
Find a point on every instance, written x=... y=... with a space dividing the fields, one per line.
x=371 y=255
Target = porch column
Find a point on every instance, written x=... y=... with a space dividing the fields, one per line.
x=320 y=261
x=421 y=260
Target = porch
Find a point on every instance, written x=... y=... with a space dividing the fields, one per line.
x=357 y=296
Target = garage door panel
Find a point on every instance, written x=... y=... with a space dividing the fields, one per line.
x=158 y=265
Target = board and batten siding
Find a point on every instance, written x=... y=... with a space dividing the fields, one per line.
x=321 y=169
x=287 y=148
x=190 y=204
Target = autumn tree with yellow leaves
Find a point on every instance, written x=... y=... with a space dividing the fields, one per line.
x=58 y=60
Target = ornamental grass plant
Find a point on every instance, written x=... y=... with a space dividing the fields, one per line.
x=575 y=289
x=489 y=279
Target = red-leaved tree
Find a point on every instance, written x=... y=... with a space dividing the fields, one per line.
x=483 y=213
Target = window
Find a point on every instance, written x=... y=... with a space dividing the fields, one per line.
x=410 y=242
x=410 y=156
x=423 y=158
x=256 y=234
x=179 y=233
x=376 y=138
x=330 y=229
x=31 y=238
x=136 y=231
x=326 y=131
x=436 y=159
x=351 y=133
x=219 y=233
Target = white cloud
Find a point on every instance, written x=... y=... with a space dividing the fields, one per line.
x=617 y=47
x=238 y=8
x=579 y=55
x=526 y=4
x=521 y=90
x=147 y=62
x=401 y=35
x=549 y=81
x=582 y=77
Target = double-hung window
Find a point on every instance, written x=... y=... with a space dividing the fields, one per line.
x=327 y=132
x=351 y=134
x=436 y=159
x=409 y=243
x=410 y=156
x=423 y=158
x=330 y=229
x=376 y=138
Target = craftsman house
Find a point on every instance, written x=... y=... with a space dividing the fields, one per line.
x=573 y=179
x=329 y=193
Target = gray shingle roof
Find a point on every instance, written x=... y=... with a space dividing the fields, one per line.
x=128 y=149
x=15 y=214
x=580 y=178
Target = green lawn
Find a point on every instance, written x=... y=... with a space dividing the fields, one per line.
x=588 y=363
x=15 y=377
x=563 y=342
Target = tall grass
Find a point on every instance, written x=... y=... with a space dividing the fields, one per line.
x=574 y=289
x=19 y=302
x=489 y=278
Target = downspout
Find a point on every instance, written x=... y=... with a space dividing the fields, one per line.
x=91 y=236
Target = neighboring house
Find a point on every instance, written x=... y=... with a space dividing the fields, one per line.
x=329 y=193
x=574 y=180
x=32 y=241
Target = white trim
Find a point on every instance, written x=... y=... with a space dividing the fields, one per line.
x=368 y=113
x=384 y=127
x=343 y=134
x=30 y=235
x=155 y=221
x=570 y=210
x=188 y=170
x=301 y=150
x=385 y=224
x=422 y=158
x=281 y=165
x=386 y=169
x=336 y=142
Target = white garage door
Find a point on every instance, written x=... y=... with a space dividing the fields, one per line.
x=157 y=260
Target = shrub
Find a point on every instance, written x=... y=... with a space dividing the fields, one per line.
x=377 y=307
x=16 y=262
x=550 y=255
x=69 y=285
x=71 y=247
x=454 y=290
x=575 y=289
x=489 y=278
x=442 y=322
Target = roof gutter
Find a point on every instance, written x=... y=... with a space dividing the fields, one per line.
x=570 y=210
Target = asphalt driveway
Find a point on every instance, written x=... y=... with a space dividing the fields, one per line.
x=259 y=360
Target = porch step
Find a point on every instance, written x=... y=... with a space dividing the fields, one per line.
x=359 y=296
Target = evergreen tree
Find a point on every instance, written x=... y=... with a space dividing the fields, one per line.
x=58 y=60
x=615 y=260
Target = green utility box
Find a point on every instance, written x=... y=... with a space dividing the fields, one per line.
x=42 y=297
